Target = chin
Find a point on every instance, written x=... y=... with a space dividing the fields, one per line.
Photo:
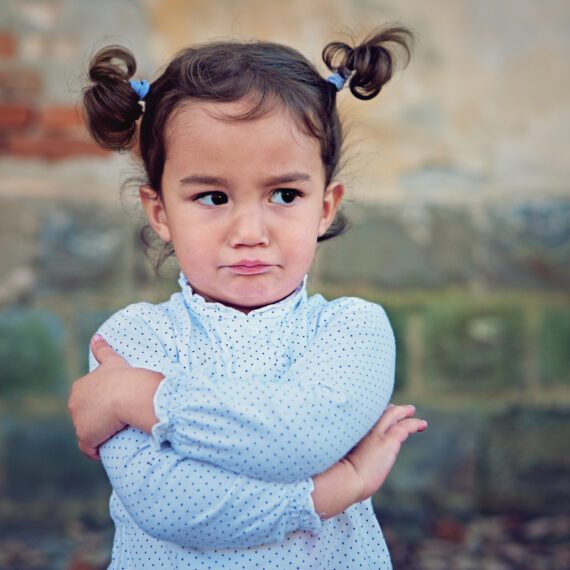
x=250 y=300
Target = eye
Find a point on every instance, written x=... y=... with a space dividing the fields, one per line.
x=285 y=196
x=211 y=198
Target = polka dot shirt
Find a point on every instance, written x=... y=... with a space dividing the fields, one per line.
x=251 y=407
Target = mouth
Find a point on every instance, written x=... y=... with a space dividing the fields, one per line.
x=247 y=267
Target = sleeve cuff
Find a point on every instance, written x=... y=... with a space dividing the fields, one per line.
x=303 y=515
x=166 y=398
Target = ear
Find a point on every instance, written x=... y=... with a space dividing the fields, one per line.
x=155 y=212
x=333 y=196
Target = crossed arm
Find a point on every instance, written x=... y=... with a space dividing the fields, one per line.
x=323 y=405
x=244 y=479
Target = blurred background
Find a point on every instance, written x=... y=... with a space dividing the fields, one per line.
x=459 y=199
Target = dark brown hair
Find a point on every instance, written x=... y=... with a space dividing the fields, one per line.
x=268 y=74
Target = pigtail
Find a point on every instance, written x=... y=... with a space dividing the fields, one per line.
x=111 y=106
x=369 y=66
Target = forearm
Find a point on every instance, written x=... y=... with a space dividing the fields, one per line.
x=198 y=505
x=283 y=430
x=278 y=431
x=336 y=489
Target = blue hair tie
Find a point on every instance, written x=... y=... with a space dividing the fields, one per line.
x=141 y=88
x=337 y=80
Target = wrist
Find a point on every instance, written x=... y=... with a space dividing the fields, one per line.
x=121 y=395
x=336 y=489
x=355 y=480
x=134 y=402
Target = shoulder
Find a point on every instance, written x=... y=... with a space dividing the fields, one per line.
x=350 y=312
x=137 y=317
x=143 y=333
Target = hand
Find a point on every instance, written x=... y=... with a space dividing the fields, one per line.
x=375 y=455
x=94 y=402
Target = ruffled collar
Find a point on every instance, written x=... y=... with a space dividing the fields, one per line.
x=201 y=306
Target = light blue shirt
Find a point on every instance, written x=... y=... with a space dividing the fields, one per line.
x=251 y=407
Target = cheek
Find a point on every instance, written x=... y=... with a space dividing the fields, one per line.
x=189 y=244
x=301 y=245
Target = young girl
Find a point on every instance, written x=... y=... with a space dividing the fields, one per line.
x=253 y=437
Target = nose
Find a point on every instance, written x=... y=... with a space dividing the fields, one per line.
x=249 y=228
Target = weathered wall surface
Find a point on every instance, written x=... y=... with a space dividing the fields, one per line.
x=460 y=205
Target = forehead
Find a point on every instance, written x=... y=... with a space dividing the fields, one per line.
x=211 y=134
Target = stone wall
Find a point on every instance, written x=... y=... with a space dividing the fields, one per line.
x=460 y=210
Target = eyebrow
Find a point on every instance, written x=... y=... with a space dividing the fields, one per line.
x=205 y=180
x=286 y=178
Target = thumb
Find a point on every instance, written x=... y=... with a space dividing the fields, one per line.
x=102 y=351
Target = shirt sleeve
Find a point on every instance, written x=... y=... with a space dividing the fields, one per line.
x=184 y=500
x=301 y=424
x=195 y=504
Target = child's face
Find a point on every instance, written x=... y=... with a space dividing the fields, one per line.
x=243 y=203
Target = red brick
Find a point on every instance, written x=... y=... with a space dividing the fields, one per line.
x=7 y=44
x=60 y=117
x=51 y=147
x=18 y=83
x=14 y=115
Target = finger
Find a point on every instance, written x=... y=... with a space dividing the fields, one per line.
x=394 y=415
x=405 y=428
x=389 y=406
x=89 y=452
x=91 y=455
x=102 y=351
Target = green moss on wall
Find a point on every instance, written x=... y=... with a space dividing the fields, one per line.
x=31 y=354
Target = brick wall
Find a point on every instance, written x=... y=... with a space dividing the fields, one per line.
x=30 y=126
